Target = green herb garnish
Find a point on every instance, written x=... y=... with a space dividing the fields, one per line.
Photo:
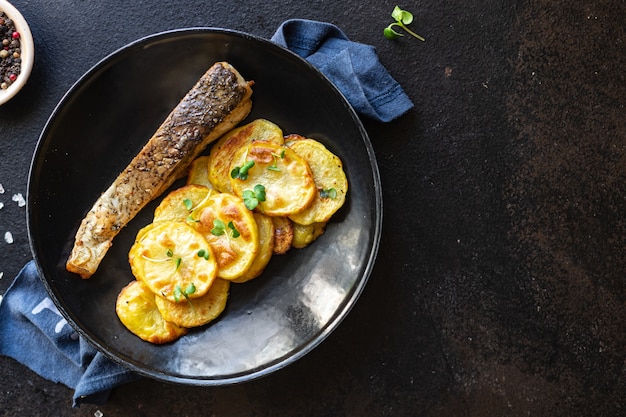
x=235 y=232
x=177 y=261
x=190 y=289
x=178 y=292
x=203 y=253
x=251 y=198
x=189 y=206
x=274 y=166
x=328 y=193
x=402 y=19
x=241 y=172
x=219 y=228
x=169 y=258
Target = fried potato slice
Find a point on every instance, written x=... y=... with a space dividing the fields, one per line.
x=265 y=226
x=173 y=258
x=222 y=152
x=283 y=235
x=137 y=310
x=304 y=235
x=199 y=172
x=199 y=311
x=288 y=181
x=179 y=204
x=329 y=176
x=230 y=229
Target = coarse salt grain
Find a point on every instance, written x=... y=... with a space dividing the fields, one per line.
x=1 y=189
x=98 y=413
x=1 y=205
x=8 y=237
x=19 y=199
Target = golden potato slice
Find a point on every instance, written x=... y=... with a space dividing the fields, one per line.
x=199 y=172
x=330 y=180
x=133 y=252
x=230 y=229
x=304 y=235
x=222 y=152
x=265 y=226
x=173 y=259
x=288 y=181
x=283 y=235
x=179 y=204
x=199 y=311
x=137 y=310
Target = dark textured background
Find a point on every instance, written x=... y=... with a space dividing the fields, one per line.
x=499 y=287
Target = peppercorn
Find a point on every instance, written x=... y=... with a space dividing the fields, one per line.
x=10 y=52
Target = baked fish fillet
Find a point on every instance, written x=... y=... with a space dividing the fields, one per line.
x=217 y=102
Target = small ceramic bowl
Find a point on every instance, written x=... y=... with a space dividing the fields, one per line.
x=27 y=54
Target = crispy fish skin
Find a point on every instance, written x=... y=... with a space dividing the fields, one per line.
x=217 y=102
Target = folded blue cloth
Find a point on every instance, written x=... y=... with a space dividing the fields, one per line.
x=353 y=67
x=33 y=332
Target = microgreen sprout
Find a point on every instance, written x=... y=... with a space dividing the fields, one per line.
x=177 y=260
x=233 y=228
x=203 y=253
x=219 y=228
x=190 y=289
x=188 y=203
x=189 y=206
x=402 y=19
x=169 y=258
x=241 y=172
x=274 y=166
x=251 y=198
x=328 y=193
x=178 y=292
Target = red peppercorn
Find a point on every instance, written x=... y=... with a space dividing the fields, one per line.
x=15 y=35
x=12 y=77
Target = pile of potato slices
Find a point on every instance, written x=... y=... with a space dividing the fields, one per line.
x=257 y=194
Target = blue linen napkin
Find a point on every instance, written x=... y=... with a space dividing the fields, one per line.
x=353 y=67
x=33 y=332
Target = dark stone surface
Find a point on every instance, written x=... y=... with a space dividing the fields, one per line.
x=499 y=285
